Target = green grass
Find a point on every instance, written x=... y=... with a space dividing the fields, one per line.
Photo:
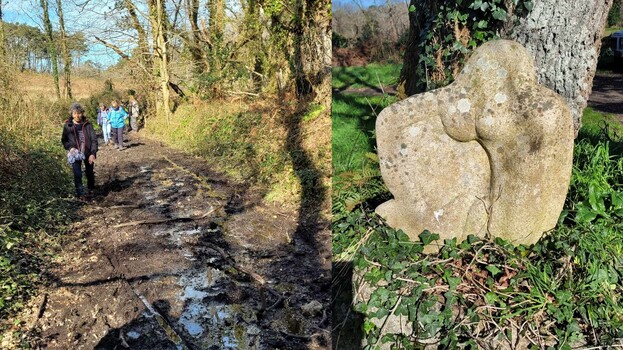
x=595 y=122
x=568 y=285
x=354 y=119
x=609 y=31
x=373 y=75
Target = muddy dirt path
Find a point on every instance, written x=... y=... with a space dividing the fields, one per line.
x=607 y=93
x=171 y=255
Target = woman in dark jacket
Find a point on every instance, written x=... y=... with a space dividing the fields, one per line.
x=80 y=140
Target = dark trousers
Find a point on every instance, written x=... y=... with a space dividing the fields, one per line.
x=117 y=136
x=77 y=168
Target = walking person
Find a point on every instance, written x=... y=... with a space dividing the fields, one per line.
x=117 y=116
x=133 y=111
x=104 y=123
x=80 y=140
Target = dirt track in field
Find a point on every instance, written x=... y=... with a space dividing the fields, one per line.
x=170 y=254
x=607 y=94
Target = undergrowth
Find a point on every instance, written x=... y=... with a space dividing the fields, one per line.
x=563 y=292
x=279 y=148
x=35 y=182
x=33 y=211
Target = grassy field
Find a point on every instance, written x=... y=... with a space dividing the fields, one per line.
x=40 y=85
x=373 y=75
x=564 y=292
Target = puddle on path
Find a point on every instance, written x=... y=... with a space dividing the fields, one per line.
x=208 y=318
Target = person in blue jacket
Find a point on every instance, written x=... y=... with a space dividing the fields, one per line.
x=117 y=116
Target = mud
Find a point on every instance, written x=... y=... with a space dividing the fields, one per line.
x=170 y=254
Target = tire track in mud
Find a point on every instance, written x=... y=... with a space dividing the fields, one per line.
x=171 y=255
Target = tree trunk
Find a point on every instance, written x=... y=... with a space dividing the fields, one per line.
x=194 y=40
x=419 y=21
x=312 y=45
x=216 y=10
x=51 y=47
x=157 y=15
x=565 y=38
x=65 y=50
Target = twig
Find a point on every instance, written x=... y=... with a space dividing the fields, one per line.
x=242 y=93
x=279 y=300
x=151 y=222
x=259 y=279
x=388 y=316
x=304 y=337
x=135 y=206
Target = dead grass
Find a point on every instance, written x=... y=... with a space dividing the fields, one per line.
x=41 y=85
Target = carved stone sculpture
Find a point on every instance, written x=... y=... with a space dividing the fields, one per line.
x=490 y=153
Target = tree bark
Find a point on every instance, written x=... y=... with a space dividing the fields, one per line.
x=312 y=45
x=419 y=22
x=216 y=10
x=194 y=41
x=51 y=47
x=65 y=50
x=565 y=38
x=157 y=15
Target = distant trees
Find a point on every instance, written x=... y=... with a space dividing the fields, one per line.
x=378 y=32
x=27 y=47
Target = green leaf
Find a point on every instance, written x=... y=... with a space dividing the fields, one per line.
x=453 y=282
x=368 y=327
x=617 y=200
x=426 y=237
x=499 y=14
x=596 y=198
x=493 y=269
x=529 y=5
x=412 y=8
x=491 y=298
x=584 y=214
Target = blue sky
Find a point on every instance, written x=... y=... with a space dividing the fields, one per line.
x=28 y=12
x=364 y=3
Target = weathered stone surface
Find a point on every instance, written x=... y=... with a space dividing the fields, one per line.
x=490 y=153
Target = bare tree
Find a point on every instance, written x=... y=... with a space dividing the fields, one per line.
x=65 y=50
x=143 y=46
x=51 y=46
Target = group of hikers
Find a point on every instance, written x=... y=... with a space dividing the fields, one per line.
x=80 y=140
